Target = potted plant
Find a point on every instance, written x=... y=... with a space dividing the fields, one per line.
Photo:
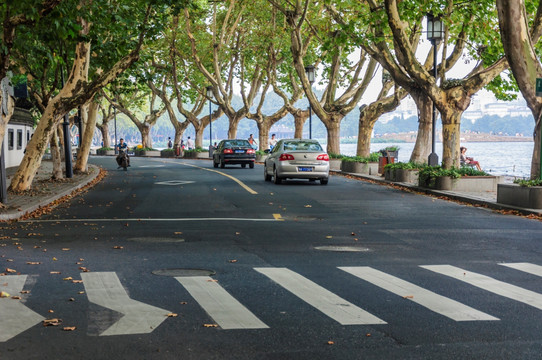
x=139 y=150
x=522 y=193
x=335 y=161
x=167 y=153
x=105 y=151
x=462 y=179
x=403 y=172
x=261 y=155
x=197 y=153
x=360 y=165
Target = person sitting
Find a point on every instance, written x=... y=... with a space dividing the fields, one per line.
x=122 y=147
x=464 y=159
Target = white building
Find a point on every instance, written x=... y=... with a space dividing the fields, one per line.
x=18 y=133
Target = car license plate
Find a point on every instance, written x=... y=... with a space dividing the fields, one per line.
x=239 y=151
x=304 y=168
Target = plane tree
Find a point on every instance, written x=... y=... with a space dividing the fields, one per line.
x=520 y=29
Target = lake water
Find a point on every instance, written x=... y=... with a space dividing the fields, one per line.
x=497 y=158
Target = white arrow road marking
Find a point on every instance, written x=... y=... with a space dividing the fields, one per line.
x=492 y=285
x=330 y=304
x=105 y=289
x=174 y=182
x=14 y=316
x=219 y=304
x=525 y=267
x=435 y=302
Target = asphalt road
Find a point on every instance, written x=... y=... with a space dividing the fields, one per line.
x=251 y=271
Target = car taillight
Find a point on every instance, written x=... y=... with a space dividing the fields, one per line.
x=251 y=151
x=324 y=157
x=286 y=157
x=228 y=151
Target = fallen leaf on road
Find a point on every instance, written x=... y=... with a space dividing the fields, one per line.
x=353 y=234
x=65 y=249
x=52 y=322
x=331 y=342
x=55 y=259
x=51 y=311
x=178 y=232
x=54 y=272
x=77 y=281
x=368 y=335
x=68 y=278
x=233 y=261
x=183 y=303
x=25 y=292
x=308 y=206
x=329 y=237
x=210 y=325
x=4 y=294
x=212 y=280
x=69 y=328
x=172 y=315
x=16 y=297
x=11 y=271
x=118 y=247
x=408 y=297
x=33 y=262
x=71 y=299
x=81 y=292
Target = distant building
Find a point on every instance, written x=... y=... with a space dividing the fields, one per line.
x=18 y=133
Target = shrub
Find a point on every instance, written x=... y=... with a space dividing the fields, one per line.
x=336 y=156
x=528 y=183
x=373 y=157
x=402 y=165
x=105 y=148
x=428 y=174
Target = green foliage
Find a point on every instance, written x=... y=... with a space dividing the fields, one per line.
x=385 y=150
x=528 y=183
x=429 y=174
x=405 y=166
x=105 y=148
x=336 y=156
x=373 y=157
x=196 y=150
x=137 y=150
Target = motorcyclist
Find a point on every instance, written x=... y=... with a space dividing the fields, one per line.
x=122 y=147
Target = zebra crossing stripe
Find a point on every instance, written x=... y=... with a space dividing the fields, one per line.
x=105 y=289
x=15 y=316
x=435 y=302
x=225 y=310
x=330 y=304
x=525 y=267
x=487 y=283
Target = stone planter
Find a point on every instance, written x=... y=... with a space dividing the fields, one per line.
x=190 y=155
x=359 y=168
x=147 y=153
x=390 y=175
x=407 y=175
x=523 y=196
x=167 y=153
x=466 y=183
x=261 y=158
x=103 y=152
x=335 y=164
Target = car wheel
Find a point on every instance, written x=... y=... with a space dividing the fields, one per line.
x=243 y=165
x=276 y=178
x=324 y=181
x=222 y=164
x=251 y=165
x=266 y=176
x=215 y=164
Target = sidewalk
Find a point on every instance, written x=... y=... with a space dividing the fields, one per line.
x=44 y=191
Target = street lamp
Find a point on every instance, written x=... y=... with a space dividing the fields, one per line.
x=309 y=70
x=115 y=122
x=67 y=140
x=210 y=95
x=435 y=33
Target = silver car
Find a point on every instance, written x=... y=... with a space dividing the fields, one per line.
x=297 y=159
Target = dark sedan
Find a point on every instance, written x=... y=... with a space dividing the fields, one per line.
x=236 y=151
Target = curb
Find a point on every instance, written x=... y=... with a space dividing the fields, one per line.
x=24 y=210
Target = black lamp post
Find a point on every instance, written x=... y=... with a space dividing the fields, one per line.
x=67 y=140
x=435 y=33
x=309 y=70
x=210 y=95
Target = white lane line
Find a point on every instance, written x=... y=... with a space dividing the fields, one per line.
x=492 y=285
x=330 y=304
x=15 y=317
x=105 y=289
x=435 y=302
x=152 y=220
x=225 y=310
x=525 y=267
x=242 y=184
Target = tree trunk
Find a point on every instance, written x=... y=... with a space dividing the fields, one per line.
x=263 y=134
x=232 y=129
x=451 y=134
x=299 y=119
x=198 y=142
x=333 y=137
x=81 y=165
x=104 y=129
x=365 y=130
x=422 y=148
x=4 y=119
x=146 y=140
x=535 y=162
x=56 y=156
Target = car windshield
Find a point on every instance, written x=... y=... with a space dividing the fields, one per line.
x=236 y=143
x=302 y=146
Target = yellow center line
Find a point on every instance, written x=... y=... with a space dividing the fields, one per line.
x=243 y=185
x=278 y=217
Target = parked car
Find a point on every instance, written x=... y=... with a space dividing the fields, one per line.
x=297 y=159
x=235 y=151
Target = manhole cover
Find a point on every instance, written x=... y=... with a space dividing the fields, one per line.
x=342 y=248
x=156 y=239
x=184 y=272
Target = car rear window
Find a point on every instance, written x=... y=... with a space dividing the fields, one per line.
x=236 y=143
x=302 y=145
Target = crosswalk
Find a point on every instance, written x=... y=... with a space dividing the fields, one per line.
x=106 y=290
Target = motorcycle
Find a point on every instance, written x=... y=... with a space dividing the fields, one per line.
x=122 y=159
